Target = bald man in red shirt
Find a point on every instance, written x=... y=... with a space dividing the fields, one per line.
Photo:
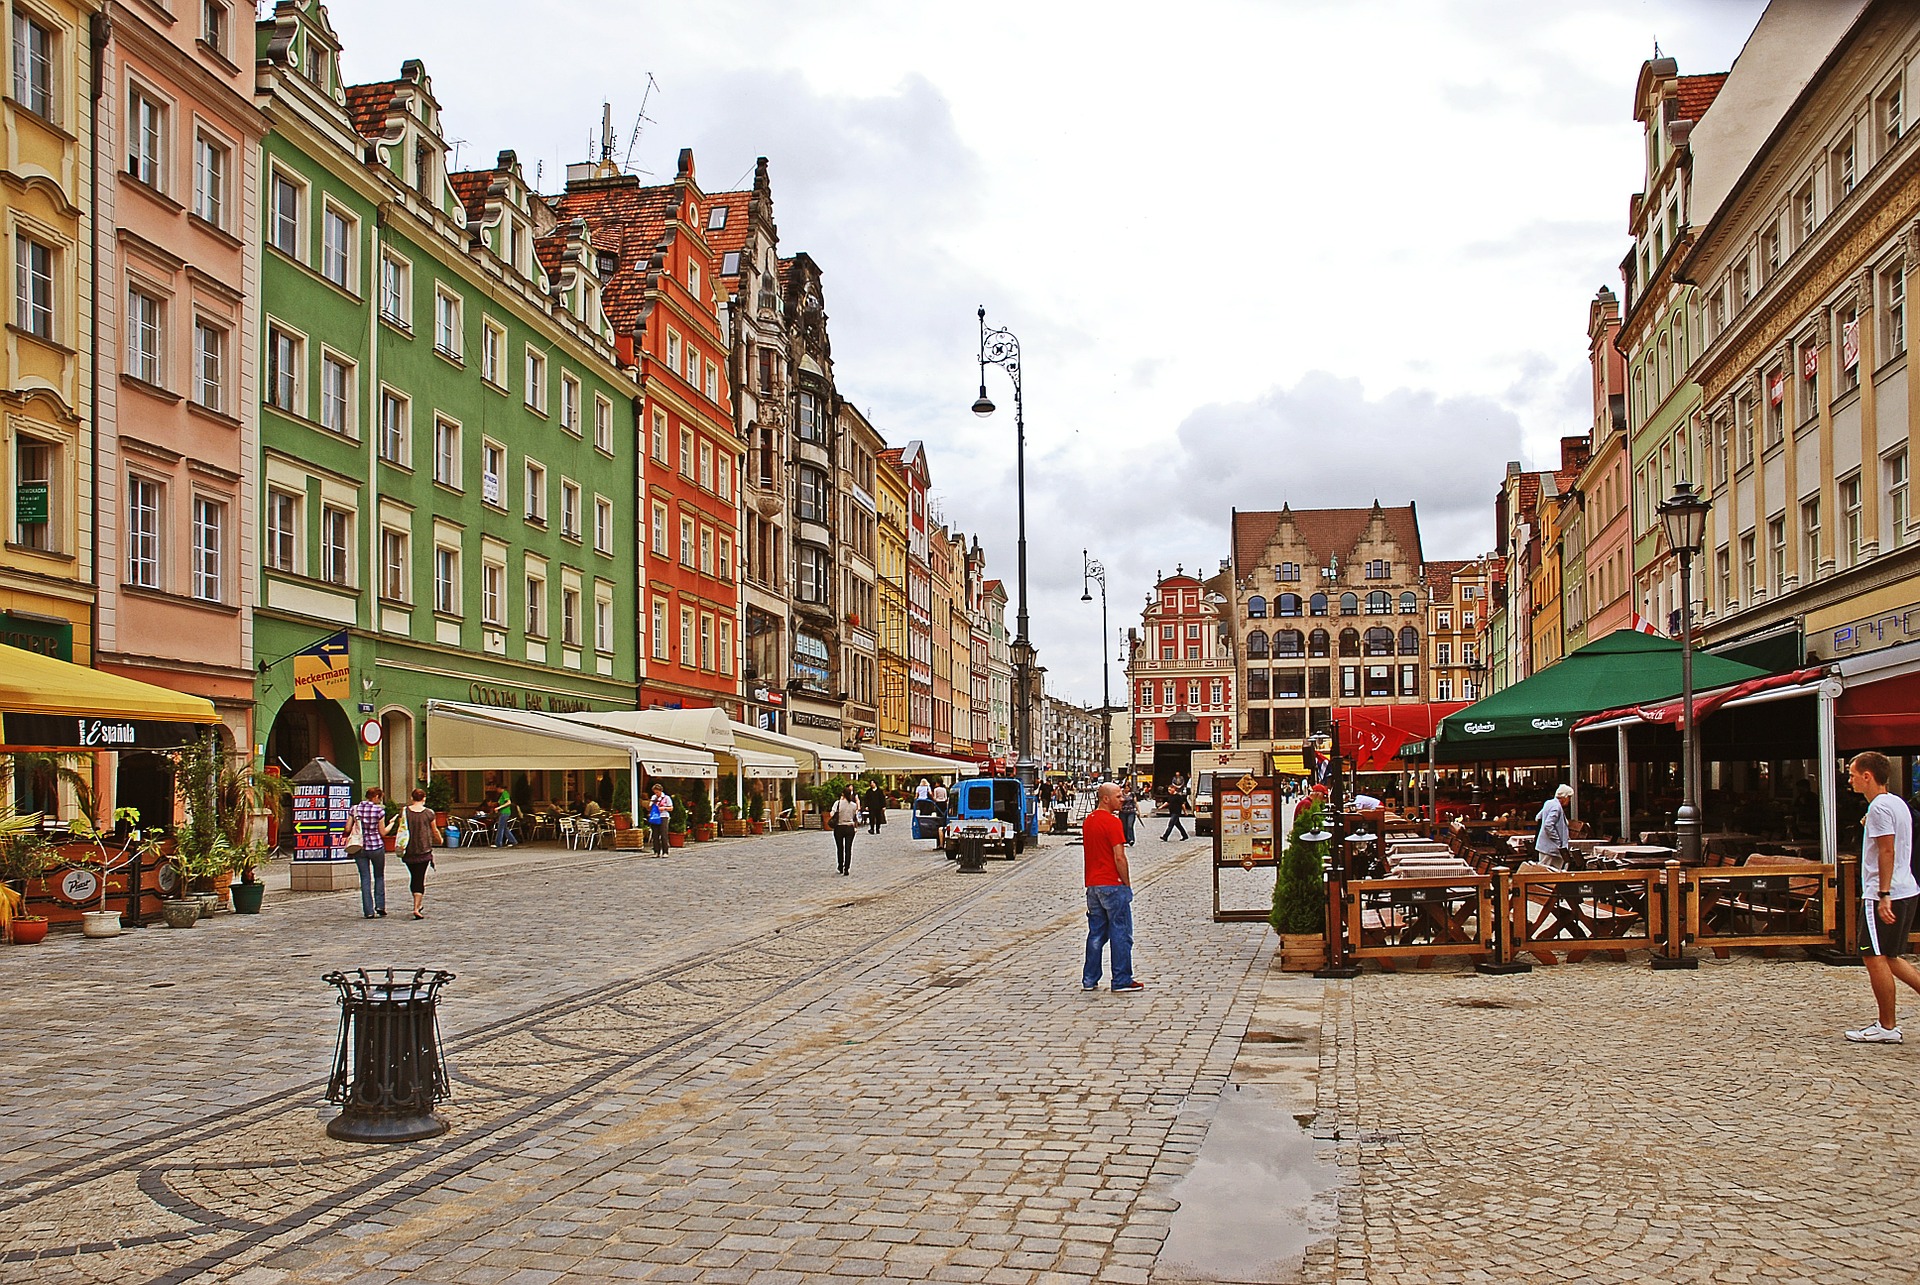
x=1109 y=893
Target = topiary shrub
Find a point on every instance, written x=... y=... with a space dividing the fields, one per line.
x=1300 y=893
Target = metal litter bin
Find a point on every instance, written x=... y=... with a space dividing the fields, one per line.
x=387 y=1068
x=972 y=857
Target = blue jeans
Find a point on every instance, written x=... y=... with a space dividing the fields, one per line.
x=503 y=831
x=1126 y=823
x=1109 y=919
x=372 y=864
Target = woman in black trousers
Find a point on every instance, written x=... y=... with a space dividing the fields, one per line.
x=875 y=804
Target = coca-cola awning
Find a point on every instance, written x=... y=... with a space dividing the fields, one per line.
x=1372 y=734
x=1668 y=711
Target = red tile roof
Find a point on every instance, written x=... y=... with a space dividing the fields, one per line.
x=1696 y=94
x=733 y=236
x=627 y=220
x=550 y=249
x=367 y=106
x=471 y=187
x=1326 y=531
x=1440 y=575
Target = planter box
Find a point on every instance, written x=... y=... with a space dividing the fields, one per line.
x=629 y=840
x=733 y=829
x=1302 y=954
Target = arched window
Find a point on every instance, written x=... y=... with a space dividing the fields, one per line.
x=1379 y=603
x=1349 y=604
x=1409 y=641
x=1286 y=642
x=1317 y=604
x=1379 y=642
x=1349 y=642
x=1257 y=607
x=1289 y=604
x=1257 y=643
x=1317 y=643
x=1409 y=605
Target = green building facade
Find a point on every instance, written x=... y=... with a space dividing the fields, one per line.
x=449 y=464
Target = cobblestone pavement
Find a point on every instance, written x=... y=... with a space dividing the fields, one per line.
x=726 y=1065
x=1605 y=1123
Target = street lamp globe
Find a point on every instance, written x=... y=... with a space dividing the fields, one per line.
x=983 y=405
x=1684 y=515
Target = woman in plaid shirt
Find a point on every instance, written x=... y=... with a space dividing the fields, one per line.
x=370 y=816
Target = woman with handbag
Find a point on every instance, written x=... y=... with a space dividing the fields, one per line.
x=418 y=837
x=846 y=820
x=366 y=844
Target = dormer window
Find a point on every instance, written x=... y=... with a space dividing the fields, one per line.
x=729 y=262
x=716 y=218
x=607 y=263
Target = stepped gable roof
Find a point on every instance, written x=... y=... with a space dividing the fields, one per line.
x=628 y=220
x=1696 y=94
x=367 y=106
x=1326 y=531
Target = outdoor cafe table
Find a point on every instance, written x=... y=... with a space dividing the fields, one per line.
x=1632 y=854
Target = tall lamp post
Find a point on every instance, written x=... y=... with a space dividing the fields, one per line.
x=1684 y=515
x=1094 y=571
x=999 y=348
x=1478 y=667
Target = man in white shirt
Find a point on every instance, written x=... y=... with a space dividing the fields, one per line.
x=1888 y=894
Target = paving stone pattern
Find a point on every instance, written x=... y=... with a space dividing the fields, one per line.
x=1605 y=1123
x=726 y=1065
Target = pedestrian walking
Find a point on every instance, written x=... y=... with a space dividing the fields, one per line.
x=846 y=822
x=369 y=830
x=659 y=814
x=503 y=836
x=1888 y=894
x=1103 y=844
x=420 y=836
x=1129 y=811
x=1554 y=843
x=875 y=805
x=1176 y=807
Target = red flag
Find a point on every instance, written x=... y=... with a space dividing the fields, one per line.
x=1644 y=625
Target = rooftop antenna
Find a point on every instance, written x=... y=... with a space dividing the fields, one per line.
x=640 y=119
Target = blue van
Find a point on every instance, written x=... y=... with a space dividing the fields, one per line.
x=995 y=809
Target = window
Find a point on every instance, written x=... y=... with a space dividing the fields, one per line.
x=1287 y=642
x=811 y=426
x=602 y=624
x=396 y=290
x=283 y=215
x=1803 y=213
x=1897 y=498
x=1379 y=603
x=570 y=509
x=33 y=286
x=536 y=380
x=723 y=476
x=1409 y=641
x=209 y=365
x=146 y=138
x=210 y=180
x=659 y=629
x=446 y=580
x=726 y=648
x=336 y=545
x=673 y=352
x=706 y=550
x=396 y=571
x=602 y=424
x=536 y=496
x=657 y=446
x=1409 y=680
x=143 y=532
x=213 y=26
x=1257 y=607
x=570 y=403
x=1893 y=317
x=811 y=505
x=693 y=277
x=446 y=453
x=1215 y=692
x=1844 y=170
x=1809 y=539
x=658 y=530
x=1256 y=644
x=143 y=337
x=1443 y=689
x=686 y=542
x=395 y=415
x=1349 y=681
x=1349 y=642
x=1349 y=604
x=32 y=65
x=1317 y=605
x=1777 y=554
x=713 y=381
x=706 y=465
x=493 y=474
x=1317 y=643
x=1443 y=654
x=602 y=524
x=283 y=530
x=1379 y=642
x=209 y=548
x=446 y=324
x=1289 y=604
x=813 y=568
x=493 y=594
x=725 y=558
x=1409 y=605
x=706 y=641
x=536 y=606
x=1850 y=521
x=493 y=347
x=686 y=451
x=1849 y=377
x=1889 y=113
x=336 y=395
x=284 y=359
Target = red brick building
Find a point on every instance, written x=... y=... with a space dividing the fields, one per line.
x=664 y=296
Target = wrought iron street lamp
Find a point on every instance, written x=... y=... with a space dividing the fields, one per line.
x=1478 y=667
x=1684 y=515
x=1000 y=348
x=1093 y=570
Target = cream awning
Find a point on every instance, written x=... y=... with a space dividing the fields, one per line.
x=705 y=729
x=811 y=755
x=881 y=759
x=479 y=738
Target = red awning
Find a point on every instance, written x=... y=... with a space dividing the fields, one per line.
x=1704 y=703
x=1373 y=734
x=1879 y=716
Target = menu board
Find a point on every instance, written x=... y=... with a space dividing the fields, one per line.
x=1243 y=819
x=320 y=822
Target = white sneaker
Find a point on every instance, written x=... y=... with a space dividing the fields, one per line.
x=1875 y=1034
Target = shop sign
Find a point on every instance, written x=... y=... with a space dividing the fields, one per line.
x=65 y=731
x=1871 y=633
x=30 y=502
x=525 y=698
x=320 y=821
x=39 y=635
x=320 y=672
x=805 y=719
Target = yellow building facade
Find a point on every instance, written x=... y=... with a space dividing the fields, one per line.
x=46 y=438
x=890 y=549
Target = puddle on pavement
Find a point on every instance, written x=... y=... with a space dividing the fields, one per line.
x=1252 y=1202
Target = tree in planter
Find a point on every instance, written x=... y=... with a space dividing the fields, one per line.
x=439 y=792
x=24 y=856
x=221 y=792
x=702 y=806
x=1300 y=893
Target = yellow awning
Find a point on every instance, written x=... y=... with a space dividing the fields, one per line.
x=35 y=684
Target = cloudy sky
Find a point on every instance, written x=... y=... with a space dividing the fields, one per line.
x=1313 y=251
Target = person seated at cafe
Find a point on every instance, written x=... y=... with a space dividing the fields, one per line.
x=593 y=808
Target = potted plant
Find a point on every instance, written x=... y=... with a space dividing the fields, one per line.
x=246 y=862
x=439 y=799
x=756 y=814
x=732 y=824
x=24 y=857
x=1300 y=894
x=702 y=817
x=677 y=826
